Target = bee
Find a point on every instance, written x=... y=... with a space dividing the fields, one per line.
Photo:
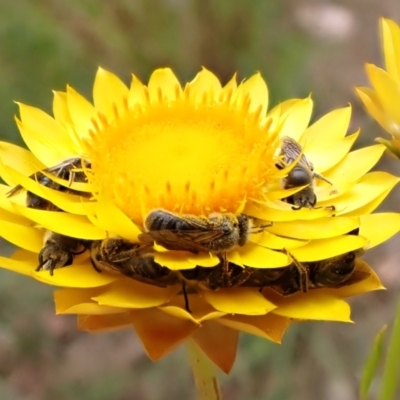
x=301 y=174
x=67 y=170
x=334 y=272
x=218 y=233
x=58 y=251
x=134 y=260
x=218 y=277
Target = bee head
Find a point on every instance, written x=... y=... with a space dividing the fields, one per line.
x=304 y=198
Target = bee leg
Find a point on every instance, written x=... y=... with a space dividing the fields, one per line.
x=321 y=178
x=261 y=228
x=225 y=271
x=297 y=207
x=186 y=298
x=49 y=265
x=302 y=270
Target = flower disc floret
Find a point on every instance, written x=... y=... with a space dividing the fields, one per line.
x=183 y=155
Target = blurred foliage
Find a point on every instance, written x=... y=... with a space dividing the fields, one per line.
x=46 y=44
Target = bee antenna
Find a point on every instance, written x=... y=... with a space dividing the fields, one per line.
x=302 y=270
x=261 y=228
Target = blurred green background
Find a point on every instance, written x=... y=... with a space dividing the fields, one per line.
x=300 y=47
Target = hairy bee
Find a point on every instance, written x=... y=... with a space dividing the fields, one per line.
x=135 y=261
x=69 y=170
x=334 y=272
x=58 y=251
x=219 y=232
x=301 y=174
x=130 y=259
x=218 y=277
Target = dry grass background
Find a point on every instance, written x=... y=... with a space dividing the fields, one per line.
x=300 y=47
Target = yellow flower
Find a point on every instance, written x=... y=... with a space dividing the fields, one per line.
x=382 y=101
x=197 y=149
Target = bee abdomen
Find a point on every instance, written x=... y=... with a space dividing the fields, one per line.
x=159 y=220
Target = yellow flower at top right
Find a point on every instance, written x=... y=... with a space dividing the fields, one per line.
x=383 y=99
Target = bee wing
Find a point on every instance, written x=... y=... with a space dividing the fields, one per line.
x=195 y=240
x=75 y=162
x=291 y=151
x=16 y=189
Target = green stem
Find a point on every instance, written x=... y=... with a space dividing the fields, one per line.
x=204 y=373
x=390 y=376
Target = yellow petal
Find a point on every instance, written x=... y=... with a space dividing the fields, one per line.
x=372 y=103
x=296 y=119
x=372 y=205
x=356 y=164
x=204 y=259
x=81 y=112
x=234 y=257
x=136 y=92
x=60 y=108
x=272 y=241
x=78 y=301
x=328 y=154
x=65 y=201
x=270 y=326
x=163 y=84
x=316 y=229
x=9 y=216
x=387 y=90
x=256 y=256
x=176 y=260
x=204 y=84
x=67 y=224
x=128 y=293
x=70 y=203
x=113 y=220
x=287 y=214
x=219 y=343
x=78 y=275
x=42 y=133
x=331 y=127
x=239 y=301
x=21 y=159
x=391 y=46
x=23 y=236
x=159 y=332
x=108 y=93
x=371 y=187
x=256 y=90
x=17 y=266
x=229 y=89
x=312 y=305
x=199 y=310
x=103 y=323
x=378 y=228
x=319 y=249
